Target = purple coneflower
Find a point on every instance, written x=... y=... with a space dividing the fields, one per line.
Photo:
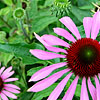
x=7 y=89
x=82 y=59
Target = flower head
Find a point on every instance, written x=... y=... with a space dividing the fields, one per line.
x=82 y=59
x=61 y=7
x=7 y=89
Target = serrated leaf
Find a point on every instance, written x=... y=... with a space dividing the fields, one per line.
x=40 y=23
x=21 y=50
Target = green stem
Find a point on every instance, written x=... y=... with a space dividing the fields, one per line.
x=23 y=76
x=5 y=22
x=24 y=31
x=29 y=28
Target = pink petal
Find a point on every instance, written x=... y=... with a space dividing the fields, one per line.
x=55 y=49
x=71 y=26
x=57 y=91
x=6 y=71
x=44 y=55
x=11 y=90
x=95 y=25
x=53 y=40
x=92 y=89
x=3 y=96
x=64 y=33
x=97 y=87
x=7 y=75
x=46 y=71
x=1 y=70
x=12 y=86
x=10 y=79
x=48 y=81
x=41 y=40
x=49 y=47
x=70 y=92
x=9 y=94
x=84 y=93
x=99 y=75
x=87 y=23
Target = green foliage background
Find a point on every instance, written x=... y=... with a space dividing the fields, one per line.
x=14 y=46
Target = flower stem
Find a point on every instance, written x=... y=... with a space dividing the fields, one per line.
x=24 y=31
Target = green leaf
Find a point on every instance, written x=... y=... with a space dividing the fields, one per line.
x=42 y=13
x=2 y=36
x=40 y=95
x=8 y=2
x=33 y=70
x=22 y=50
x=33 y=8
x=80 y=14
x=81 y=31
x=5 y=11
x=48 y=2
x=78 y=90
x=40 y=23
x=26 y=96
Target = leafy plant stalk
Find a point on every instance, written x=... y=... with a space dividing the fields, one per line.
x=24 y=31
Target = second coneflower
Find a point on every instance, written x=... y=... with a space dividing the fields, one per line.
x=82 y=59
x=6 y=88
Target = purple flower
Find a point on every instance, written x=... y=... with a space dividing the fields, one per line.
x=7 y=89
x=82 y=59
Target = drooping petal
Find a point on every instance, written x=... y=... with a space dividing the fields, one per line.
x=70 y=92
x=41 y=40
x=9 y=94
x=3 y=96
x=53 y=40
x=97 y=87
x=95 y=25
x=12 y=86
x=44 y=55
x=7 y=75
x=46 y=71
x=92 y=89
x=57 y=91
x=84 y=93
x=64 y=33
x=71 y=26
x=41 y=85
x=10 y=79
x=1 y=70
x=87 y=23
x=11 y=90
x=49 y=47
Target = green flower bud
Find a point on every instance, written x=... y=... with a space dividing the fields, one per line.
x=61 y=7
x=19 y=13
